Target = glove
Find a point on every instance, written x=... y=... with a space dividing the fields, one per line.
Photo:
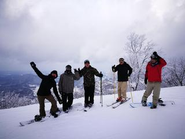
x=60 y=101
x=100 y=75
x=79 y=71
x=146 y=80
x=32 y=64
x=113 y=68
x=75 y=70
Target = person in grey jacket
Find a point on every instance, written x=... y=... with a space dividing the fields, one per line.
x=66 y=86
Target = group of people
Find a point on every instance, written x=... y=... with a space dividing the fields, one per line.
x=66 y=84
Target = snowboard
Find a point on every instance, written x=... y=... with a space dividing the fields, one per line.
x=31 y=121
x=28 y=122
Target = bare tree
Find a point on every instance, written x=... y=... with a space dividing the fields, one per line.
x=139 y=51
x=11 y=100
x=175 y=72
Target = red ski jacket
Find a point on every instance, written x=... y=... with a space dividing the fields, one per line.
x=153 y=73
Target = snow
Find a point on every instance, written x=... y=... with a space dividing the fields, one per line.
x=104 y=122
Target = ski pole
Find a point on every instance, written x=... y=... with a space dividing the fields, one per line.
x=114 y=85
x=101 y=93
x=130 y=89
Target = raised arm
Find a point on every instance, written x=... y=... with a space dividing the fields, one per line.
x=37 y=71
x=161 y=61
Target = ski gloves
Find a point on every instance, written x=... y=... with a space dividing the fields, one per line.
x=60 y=101
x=100 y=75
x=32 y=64
x=114 y=68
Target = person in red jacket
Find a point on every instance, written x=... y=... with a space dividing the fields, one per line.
x=153 y=79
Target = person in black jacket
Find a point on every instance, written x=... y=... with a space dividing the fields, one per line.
x=44 y=92
x=88 y=73
x=124 y=71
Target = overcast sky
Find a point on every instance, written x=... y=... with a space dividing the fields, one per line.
x=54 y=33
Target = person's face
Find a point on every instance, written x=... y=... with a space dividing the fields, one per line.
x=121 y=62
x=87 y=65
x=54 y=75
x=153 y=60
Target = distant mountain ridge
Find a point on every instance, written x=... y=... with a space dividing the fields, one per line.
x=20 y=89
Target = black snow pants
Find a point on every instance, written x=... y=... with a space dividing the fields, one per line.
x=67 y=99
x=89 y=94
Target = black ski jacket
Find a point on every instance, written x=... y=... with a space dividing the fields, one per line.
x=124 y=71
x=47 y=83
x=88 y=74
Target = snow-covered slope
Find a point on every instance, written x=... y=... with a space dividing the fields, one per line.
x=102 y=122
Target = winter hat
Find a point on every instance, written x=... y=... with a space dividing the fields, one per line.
x=86 y=61
x=121 y=59
x=54 y=72
x=153 y=56
x=68 y=67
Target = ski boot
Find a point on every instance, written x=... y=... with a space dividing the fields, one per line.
x=119 y=99
x=123 y=100
x=54 y=115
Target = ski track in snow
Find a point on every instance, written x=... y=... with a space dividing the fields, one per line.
x=104 y=122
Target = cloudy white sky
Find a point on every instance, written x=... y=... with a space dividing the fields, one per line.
x=54 y=33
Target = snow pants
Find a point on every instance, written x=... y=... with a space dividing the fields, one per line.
x=51 y=99
x=89 y=94
x=67 y=99
x=155 y=87
x=122 y=89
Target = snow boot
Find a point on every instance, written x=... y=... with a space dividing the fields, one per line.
x=90 y=105
x=37 y=118
x=153 y=107
x=54 y=115
x=66 y=111
x=144 y=104
x=85 y=105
